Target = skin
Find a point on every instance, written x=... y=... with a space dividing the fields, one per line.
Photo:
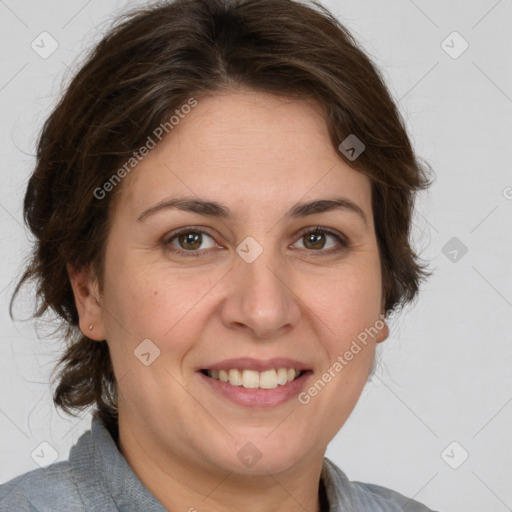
x=258 y=155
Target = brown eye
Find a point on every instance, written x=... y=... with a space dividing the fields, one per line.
x=323 y=241
x=191 y=241
x=314 y=240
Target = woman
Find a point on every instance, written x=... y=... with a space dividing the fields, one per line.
x=222 y=204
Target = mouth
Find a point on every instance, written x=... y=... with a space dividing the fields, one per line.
x=256 y=382
x=252 y=379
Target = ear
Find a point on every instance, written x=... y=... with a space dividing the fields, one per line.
x=384 y=330
x=88 y=302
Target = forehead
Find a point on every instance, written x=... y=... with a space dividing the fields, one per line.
x=250 y=148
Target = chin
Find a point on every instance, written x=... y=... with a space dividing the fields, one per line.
x=257 y=456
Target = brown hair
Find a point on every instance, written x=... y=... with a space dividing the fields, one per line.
x=149 y=64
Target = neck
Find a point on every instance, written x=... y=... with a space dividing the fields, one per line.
x=187 y=484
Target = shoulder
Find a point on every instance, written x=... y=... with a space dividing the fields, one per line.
x=44 y=489
x=348 y=495
x=95 y=478
x=389 y=500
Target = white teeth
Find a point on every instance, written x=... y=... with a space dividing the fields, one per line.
x=268 y=379
x=251 y=379
x=282 y=376
x=235 y=377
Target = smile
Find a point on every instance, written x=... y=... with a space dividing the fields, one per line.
x=252 y=379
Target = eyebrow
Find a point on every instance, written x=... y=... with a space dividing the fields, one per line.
x=214 y=209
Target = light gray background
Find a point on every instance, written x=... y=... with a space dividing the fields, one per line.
x=445 y=373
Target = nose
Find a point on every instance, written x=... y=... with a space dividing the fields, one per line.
x=260 y=298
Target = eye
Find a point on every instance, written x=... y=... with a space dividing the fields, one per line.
x=317 y=240
x=188 y=241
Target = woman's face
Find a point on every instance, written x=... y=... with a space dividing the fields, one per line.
x=189 y=287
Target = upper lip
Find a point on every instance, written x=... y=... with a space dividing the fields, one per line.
x=260 y=365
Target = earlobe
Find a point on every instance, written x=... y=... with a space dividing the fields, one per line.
x=87 y=301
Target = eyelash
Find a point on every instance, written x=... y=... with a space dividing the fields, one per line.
x=340 y=239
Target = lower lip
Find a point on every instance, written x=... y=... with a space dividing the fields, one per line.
x=258 y=397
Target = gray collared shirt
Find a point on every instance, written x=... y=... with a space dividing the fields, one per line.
x=97 y=478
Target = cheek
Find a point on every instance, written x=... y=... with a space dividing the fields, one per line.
x=150 y=301
x=346 y=301
x=160 y=305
